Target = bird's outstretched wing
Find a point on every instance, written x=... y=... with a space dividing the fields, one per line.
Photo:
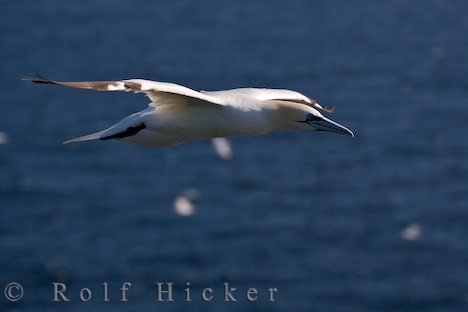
x=160 y=93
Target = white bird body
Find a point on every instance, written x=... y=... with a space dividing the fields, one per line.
x=178 y=114
x=170 y=125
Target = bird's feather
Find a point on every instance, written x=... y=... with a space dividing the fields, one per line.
x=160 y=93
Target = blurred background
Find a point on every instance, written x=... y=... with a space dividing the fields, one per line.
x=378 y=223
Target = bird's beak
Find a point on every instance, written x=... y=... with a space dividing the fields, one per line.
x=325 y=124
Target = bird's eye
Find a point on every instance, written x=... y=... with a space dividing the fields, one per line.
x=312 y=117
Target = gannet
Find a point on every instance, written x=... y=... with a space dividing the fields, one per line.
x=178 y=114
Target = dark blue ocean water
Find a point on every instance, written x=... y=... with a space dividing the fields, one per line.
x=378 y=223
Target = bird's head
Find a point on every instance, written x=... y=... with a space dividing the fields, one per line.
x=292 y=115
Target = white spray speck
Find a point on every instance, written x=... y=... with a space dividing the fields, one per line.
x=411 y=232
x=223 y=148
x=3 y=138
x=183 y=205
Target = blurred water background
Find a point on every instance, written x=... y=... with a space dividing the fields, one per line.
x=378 y=223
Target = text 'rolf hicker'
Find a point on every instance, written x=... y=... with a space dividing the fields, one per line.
x=163 y=292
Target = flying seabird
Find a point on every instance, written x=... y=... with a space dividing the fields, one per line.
x=179 y=114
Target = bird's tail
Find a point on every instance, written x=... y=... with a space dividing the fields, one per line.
x=89 y=137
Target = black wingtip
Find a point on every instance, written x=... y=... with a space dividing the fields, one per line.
x=36 y=79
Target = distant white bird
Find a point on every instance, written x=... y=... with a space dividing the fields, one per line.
x=178 y=114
